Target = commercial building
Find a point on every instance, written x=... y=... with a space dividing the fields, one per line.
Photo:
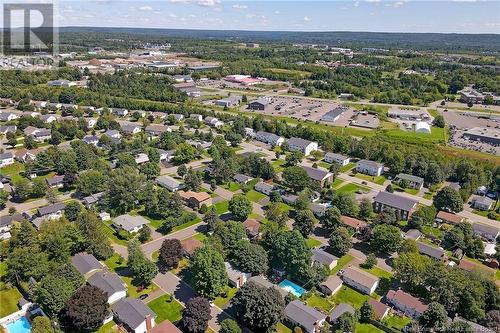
x=483 y=134
x=259 y=104
x=334 y=115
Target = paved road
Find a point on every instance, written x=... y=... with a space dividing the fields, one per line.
x=31 y=205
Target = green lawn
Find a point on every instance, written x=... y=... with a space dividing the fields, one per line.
x=221 y=301
x=221 y=207
x=112 y=235
x=13 y=171
x=281 y=328
x=432 y=231
x=341 y=263
x=232 y=186
x=110 y=327
x=284 y=207
x=166 y=307
x=155 y=223
x=347 y=167
x=312 y=243
x=9 y=298
x=350 y=296
x=367 y=328
x=352 y=188
x=386 y=280
x=320 y=303
x=337 y=182
x=377 y=180
x=324 y=164
x=186 y=225
x=396 y=322
x=413 y=191
x=278 y=165
x=255 y=196
x=437 y=135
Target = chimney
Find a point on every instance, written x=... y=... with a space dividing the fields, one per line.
x=149 y=323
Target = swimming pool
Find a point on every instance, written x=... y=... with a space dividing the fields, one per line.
x=291 y=287
x=21 y=325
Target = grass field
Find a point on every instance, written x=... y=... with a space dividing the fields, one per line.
x=13 y=171
x=312 y=243
x=377 y=180
x=432 y=231
x=324 y=164
x=281 y=328
x=341 y=263
x=9 y=298
x=112 y=235
x=291 y=73
x=336 y=183
x=110 y=327
x=386 y=280
x=166 y=307
x=350 y=296
x=319 y=302
x=437 y=135
x=186 y=225
x=352 y=188
x=254 y=196
x=347 y=167
x=221 y=301
x=367 y=328
x=396 y=322
x=221 y=207
x=232 y=186
x=278 y=165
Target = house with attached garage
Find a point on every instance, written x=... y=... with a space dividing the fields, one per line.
x=23 y=155
x=370 y=168
x=129 y=223
x=55 y=181
x=113 y=134
x=196 y=117
x=339 y=310
x=49 y=118
x=412 y=181
x=306 y=147
x=6 y=222
x=110 y=283
x=403 y=206
x=337 y=158
x=130 y=128
x=169 y=183
x=38 y=134
x=6 y=159
x=318 y=209
x=252 y=228
x=8 y=116
x=324 y=258
x=242 y=179
x=4 y=129
x=86 y=264
x=331 y=285
x=482 y=203
x=360 y=280
x=133 y=314
x=52 y=212
x=486 y=231
x=195 y=199
x=264 y=188
x=310 y=319
x=406 y=303
x=213 y=122
x=321 y=176
x=433 y=252
x=92 y=200
x=156 y=130
x=166 y=155
x=353 y=223
x=189 y=246
x=269 y=138
x=380 y=310
x=449 y=218
x=91 y=140
x=235 y=277
x=141 y=158
x=119 y=112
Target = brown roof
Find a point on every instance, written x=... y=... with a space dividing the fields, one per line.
x=94 y=62
x=252 y=225
x=165 y=327
x=379 y=309
x=470 y=266
x=352 y=222
x=198 y=196
x=449 y=217
x=407 y=299
x=190 y=245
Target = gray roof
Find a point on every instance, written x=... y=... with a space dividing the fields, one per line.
x=303 y=314
x=42 y=132
x=263 y=101
x=316 y=174
x=410 y=178
x=111 y=133
x=395 y=201
x=93 y=198
x=242 y=178
x=339 y=310
x=289 y=198
x=485 y=229
x=6 y=155
x=55 y=180
x=85 y=263
x=484 y=201
x=371 y=164
x=413 y=234
x=334 y=113
x=332 y=282
x=129 y=128
x=90 y=139
x=431 y=251
x=50 y=209
x=299 y=142
x=168 y=182
x=360 y=276
x=264 y=185
x=317 y=208
x=129 y=222
x=132 y=312
x=233 y=274
x=337 y=156
x=261 y=281
x=108 y=282
x=323 y=257
x=8 y=219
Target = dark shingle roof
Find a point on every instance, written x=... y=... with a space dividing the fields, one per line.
x=42 y=211
x=85 y=263
x=303 y=314
x=132 y=312
x=316 y=174
x=108 y=282
x=395 y=201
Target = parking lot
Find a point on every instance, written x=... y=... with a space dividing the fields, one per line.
x=457 y=140
x=224 y=84
x=463 y=120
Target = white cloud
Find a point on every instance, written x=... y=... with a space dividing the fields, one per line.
x=398 y=4
x=372 y=0
x=238 y=6
x=306 y=19
x=356 y=4
x=146 y=8
x=208 y=3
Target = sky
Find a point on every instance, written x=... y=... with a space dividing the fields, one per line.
x=458 y=16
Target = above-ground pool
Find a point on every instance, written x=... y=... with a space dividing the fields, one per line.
x=291 y=287
x=21 y=325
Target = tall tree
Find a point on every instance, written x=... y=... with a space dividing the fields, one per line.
x=304 y=222
x=340 y=241
x=240 y=207
x=141 y=267
x=171 y=253
x=96 y=241
x=196 y=315
x=125 y=188
x=209 y=272
x=86 y=309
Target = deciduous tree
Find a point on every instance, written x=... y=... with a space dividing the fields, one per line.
x=86 y=309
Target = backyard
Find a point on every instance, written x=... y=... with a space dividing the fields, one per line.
x=166 y=307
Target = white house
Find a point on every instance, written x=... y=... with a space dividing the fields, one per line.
x=269 y=138
x=110 y=283
x=360 y=280
x=306 y=147
x=370 y=168
x=8 y=116
x=264 y=188
x=134 y=315
x=6 y=159
x=337 y=158
x=129 y=223
x=213 y=122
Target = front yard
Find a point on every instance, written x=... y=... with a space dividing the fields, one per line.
x=255 y=196
x=166 y=307
x=222 y=301
x=377 y=180
x=344 y=260
x=221 y=207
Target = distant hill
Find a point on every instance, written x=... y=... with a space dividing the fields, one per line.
x=489 y=43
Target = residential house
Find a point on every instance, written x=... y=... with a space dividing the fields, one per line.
x=8 y=116
x=23 y=155
x=289 y=198
x=319 y=175
x=242 y=179
x=471 y=266
x=129 y=223
x=476 y=328
x=213 y=122
x=91 y=140
x=166 y=155
x=263 y=282
x=413 y=234
x=190 y=245
x=169 y=183
x=165 y=327
x=61 y=83
x=49 y=118
x=235 y=277
x=412 y=181
x=403 y=206
x=113 y=134
x=119 y=112
x=337 y=158
x=6 y=159
x=339 y=310
x=55 y=181
x=159 y=115
x=486 y=231
x=370 y=168
x=91 y=122
x=353 y=223
x=433 y=252
x=264 y=188
x=52 y=212
x=249 y=133
x=38 y=134
x=406 y=303
x=134 y=315
x=310 y=319
x=269 y=138
x=4 y=129
x=259 y=104
x=195 y=199
x=178 y=117
x=360 y=280
x=110 y=283
x=306 y=147
x=86 y=263
x=380 y=310
x=196 y=117
x=156 y=130
x=449 y=218
x=130 y=128
x=252 y=228
x=482 y=203
x=92 y=199
x=6 y=222
x=331 y=285
x=228 y=102
x=141 y=158
x=318 y=209
x=320 y=256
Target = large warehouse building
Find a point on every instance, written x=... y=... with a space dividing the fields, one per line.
x=483 y=134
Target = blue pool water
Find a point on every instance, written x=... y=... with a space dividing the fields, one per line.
x=21 y=325
x=291 y=287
